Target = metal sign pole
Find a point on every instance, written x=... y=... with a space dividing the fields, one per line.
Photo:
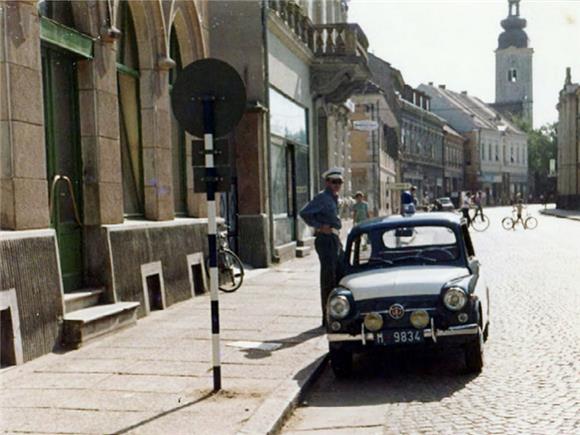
x=208 y=100
x=211 y=181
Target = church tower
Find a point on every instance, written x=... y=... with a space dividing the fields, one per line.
x=513 y=68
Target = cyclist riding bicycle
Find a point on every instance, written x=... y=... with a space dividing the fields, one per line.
x=478 y=207
x=519 y=206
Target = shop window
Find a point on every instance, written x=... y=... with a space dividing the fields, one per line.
x=178 y=142
x=279 y=180
x=129 y=114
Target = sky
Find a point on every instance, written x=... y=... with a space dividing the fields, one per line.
x=452 y=42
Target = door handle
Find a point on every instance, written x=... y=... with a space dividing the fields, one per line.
x=68 y=182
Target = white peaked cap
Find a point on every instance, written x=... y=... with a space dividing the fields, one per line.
x=333 y=173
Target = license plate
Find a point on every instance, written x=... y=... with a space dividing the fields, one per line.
x=401 y=336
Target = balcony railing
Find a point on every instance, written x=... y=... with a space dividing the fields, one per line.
x=334 y=39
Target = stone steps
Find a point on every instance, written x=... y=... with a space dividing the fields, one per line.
x=82 y=299
x=86 y=324
x=303 y=251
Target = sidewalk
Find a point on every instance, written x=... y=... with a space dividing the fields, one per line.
x=568 y=214
x=155 y=378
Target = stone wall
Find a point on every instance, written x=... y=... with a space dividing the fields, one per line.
x=133 y=245
x=29 y=264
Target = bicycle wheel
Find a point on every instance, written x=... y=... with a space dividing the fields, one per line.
x=480 y=223
x=507 y=223
x=231 y=271
x=530 y=223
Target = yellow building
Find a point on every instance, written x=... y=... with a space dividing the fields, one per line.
x=569 y=145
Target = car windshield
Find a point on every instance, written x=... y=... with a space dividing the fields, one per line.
x=444 y=200
x=426 y=244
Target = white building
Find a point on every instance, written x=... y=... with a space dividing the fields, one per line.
x=496 y=153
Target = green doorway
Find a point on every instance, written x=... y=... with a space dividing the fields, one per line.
x=63 y=158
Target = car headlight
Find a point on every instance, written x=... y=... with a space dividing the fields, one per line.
x=338 y=306
x=454 y=299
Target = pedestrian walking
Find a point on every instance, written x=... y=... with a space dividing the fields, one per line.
x=465 y=206
x=360 y=209
x=322 y=214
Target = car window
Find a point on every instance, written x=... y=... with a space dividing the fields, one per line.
x=404 y=245
x=361 y=251
x=418 y=236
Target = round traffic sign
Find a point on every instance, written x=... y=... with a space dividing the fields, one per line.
x=211 y=79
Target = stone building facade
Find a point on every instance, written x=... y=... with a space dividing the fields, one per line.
x=453 y=161
x=373 y=153
x=97 y=207
x=300 y=61
x=421 y=145
x=496 y=155
x=569 y=145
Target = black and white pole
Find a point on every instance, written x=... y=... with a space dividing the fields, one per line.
x=211 y=184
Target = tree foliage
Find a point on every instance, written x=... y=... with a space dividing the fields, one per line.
x=542 y=147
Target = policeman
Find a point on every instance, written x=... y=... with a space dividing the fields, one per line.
x=322 y=214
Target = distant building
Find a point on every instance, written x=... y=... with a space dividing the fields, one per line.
x=372 y=151
x=453 y=161
x=293 y=57
x=421 y=144
x=569 y=145
x=513 y=68
x=496 y=156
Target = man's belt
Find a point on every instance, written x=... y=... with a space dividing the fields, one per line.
x=334 y=231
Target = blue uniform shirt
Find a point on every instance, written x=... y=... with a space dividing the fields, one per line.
x=322 y=210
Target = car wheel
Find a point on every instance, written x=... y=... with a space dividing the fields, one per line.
x=474 y=354
x=341 y=363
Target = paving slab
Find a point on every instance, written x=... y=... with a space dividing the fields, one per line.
x=156 y=377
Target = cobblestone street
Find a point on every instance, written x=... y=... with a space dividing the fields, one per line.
x=530 y=383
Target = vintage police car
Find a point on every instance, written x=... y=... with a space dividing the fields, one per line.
x=408 y=281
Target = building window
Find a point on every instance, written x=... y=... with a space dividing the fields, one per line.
x=57 y=10
x=177 y=138
x=512 y=75
x=497 y=153
x=129 y=114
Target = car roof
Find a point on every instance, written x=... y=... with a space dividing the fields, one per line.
x=396 y=220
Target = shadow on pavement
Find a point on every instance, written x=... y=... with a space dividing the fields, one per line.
x=393 y=377
x=286 y=342
x=164 y=413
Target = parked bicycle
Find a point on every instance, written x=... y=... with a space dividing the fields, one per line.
x=479 y=221
x=230 y=267
x=528 y=222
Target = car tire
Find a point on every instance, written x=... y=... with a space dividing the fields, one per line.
x=341 y=363
x=474 y=359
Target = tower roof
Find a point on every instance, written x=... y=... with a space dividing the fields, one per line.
x=513 y=34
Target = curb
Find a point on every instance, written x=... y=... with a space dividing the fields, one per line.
x=271 y=415
x=549 y=212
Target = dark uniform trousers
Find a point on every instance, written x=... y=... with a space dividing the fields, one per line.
x=330 y=253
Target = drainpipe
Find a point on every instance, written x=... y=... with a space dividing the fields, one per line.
x=268 y=153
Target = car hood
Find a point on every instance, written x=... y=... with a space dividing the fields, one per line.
x=401 y=281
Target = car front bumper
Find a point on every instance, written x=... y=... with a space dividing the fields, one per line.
x=453 y=334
